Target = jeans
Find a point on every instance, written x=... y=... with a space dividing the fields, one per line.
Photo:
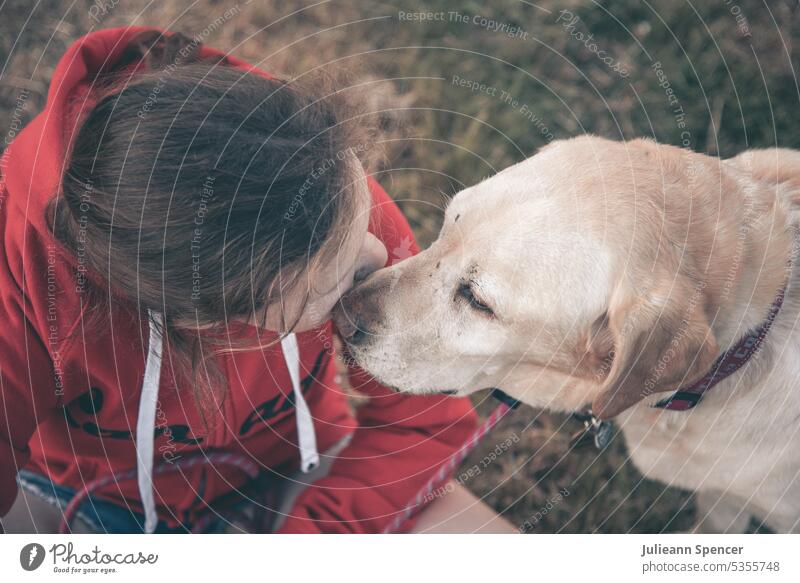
x=98 y=515
x=260 y=507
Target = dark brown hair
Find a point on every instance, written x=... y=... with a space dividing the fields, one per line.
x=201 y=191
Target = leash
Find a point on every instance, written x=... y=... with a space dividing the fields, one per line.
x=416 y=504
x=600 y=431
x=229 y=459
x=248 y=467
x=596 y=431
x=419 y=501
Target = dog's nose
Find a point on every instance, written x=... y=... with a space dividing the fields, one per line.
x=352 y=332
x=347 y=320
x=359 y=312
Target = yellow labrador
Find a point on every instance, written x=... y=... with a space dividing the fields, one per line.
x=613 y=275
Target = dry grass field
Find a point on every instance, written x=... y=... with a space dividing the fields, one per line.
x=462 y=96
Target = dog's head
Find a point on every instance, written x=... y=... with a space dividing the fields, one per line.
x=577 y=276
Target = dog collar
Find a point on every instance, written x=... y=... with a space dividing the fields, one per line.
x=601 y=433
x=595 y=430
x=507 y=400
x=726 y=364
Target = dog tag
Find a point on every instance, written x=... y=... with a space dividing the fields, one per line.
x=594 y=431
x=603 y=432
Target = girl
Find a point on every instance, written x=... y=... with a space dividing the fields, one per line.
x=176 y=228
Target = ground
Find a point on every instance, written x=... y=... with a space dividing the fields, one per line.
x=462 y=90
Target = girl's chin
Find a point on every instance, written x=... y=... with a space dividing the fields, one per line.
x=313 y=317
x=309 y=322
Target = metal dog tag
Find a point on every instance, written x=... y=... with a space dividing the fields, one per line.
x=594 y=430
x=603 y=433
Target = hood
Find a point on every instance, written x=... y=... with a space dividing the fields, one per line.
x=33 y=164
x=31 y=170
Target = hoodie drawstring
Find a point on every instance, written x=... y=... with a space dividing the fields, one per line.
x=306 y=438
x=146 y=422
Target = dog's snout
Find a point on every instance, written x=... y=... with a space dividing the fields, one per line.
x=349 y=326
x=349 y=317
x=358 y=312
x=354 y=334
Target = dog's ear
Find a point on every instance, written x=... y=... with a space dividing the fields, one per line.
x=650 y=343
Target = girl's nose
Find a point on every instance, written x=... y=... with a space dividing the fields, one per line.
x=373 y=256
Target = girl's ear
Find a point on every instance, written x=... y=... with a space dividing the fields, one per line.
x=661 y=342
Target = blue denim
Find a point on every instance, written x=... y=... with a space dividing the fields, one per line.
x=241 y=509
x=101 y=516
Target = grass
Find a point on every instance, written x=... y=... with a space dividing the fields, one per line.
x=730 y=68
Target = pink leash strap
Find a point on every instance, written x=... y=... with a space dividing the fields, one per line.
x=229 y=459
x=418 y=502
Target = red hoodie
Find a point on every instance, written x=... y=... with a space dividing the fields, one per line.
x=71 y=396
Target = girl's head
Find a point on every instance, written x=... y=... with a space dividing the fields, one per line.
x=212 y=195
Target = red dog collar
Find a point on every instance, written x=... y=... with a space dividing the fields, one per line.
x=726 y=364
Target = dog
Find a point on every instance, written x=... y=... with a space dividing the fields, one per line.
x=613 y=274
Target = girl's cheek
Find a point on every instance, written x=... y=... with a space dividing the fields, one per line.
x=316 y=311
x=282 y=314
x=271 y=322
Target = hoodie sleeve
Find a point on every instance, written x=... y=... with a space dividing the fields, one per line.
x=28 y=388
x=401 y=440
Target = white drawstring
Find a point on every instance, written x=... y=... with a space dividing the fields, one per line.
x=306 y=438
x=146 y=423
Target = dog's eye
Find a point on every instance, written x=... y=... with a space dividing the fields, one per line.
x=465 y=291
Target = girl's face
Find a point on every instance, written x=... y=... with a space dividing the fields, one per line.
x=359 y=255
